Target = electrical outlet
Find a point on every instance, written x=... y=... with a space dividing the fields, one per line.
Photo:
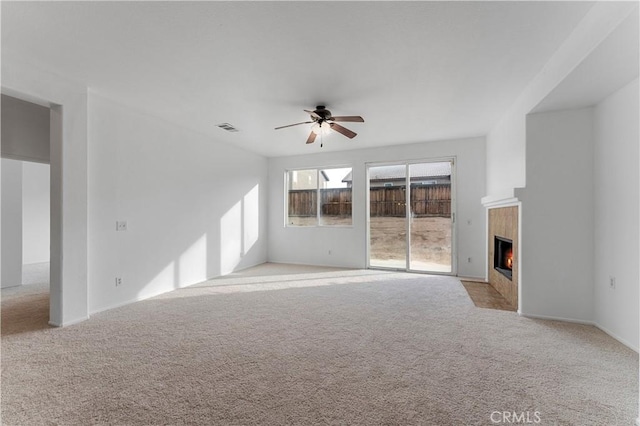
x=468 y=260
x=121 y=225
x=329 y=252
x=612 y=283
x=118 y=281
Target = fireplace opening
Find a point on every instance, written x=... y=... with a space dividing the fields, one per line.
x=503 y=256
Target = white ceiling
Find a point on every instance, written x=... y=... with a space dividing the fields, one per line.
x=416 y=71
x=610 y=66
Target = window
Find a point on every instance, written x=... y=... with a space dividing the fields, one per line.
x=332 y=186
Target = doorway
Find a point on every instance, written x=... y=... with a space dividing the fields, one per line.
x=27 y=242
x=410 y=216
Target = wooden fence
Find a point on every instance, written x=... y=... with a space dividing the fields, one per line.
x=432 y=200
x=334 y=202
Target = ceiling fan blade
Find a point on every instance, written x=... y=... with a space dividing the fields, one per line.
x=351 y=118
x=290 y=125
x=312 y=114
x=338 y=128
x=312 y=138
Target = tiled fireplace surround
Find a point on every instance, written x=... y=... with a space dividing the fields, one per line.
x=503 y=222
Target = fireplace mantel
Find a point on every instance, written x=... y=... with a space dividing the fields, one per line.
x=505 y=198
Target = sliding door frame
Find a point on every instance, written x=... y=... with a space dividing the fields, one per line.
x=407 y=164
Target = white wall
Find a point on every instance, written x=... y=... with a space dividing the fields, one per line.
x=11 y=223
x=194 y=208
x=68 y=158
x=506 y=142
x=556 y=246
x=616 y=213
x=572 y=78
x=35 y=212
x=311 y=245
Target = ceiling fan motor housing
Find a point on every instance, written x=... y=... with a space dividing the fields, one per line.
x=324 y=113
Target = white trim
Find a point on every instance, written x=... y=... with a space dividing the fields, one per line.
x=287 y=188
x=618 y=338
x=367 y=219
x=498 y=197
x=407 y=216
x=68 y=323
x=551 y=318
x=473 y=279
x=503 y=202
x=486 y=246
x=150 y=295
x=407 y=164
x=127 y=302
x=584 y=322
x=519 y=205
x=171 y=289
x=455 y=247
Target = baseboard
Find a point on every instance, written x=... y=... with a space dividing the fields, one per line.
x=146 y=296
x=473 y=279
x=161 y=291
x=68 y=323
x=618 y=338
x=323 y=265
x=118 y=305
x=11 y=286
x=552 y=318
x=575 y=321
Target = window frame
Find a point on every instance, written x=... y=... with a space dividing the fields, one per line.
x=318 y=216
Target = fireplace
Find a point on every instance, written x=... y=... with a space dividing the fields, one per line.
x=502 y=251
x=503 y=256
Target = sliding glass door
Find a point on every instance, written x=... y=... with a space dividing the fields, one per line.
x=387 y=217
x=410 y=218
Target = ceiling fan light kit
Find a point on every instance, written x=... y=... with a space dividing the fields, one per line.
x=324 y=122
x=319 y=129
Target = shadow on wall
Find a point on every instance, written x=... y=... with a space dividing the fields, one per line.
x=218 y=251
x=239 y=230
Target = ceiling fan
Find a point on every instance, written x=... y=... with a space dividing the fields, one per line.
x=324 y=122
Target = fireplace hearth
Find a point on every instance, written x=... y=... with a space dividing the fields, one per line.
x=503 y=256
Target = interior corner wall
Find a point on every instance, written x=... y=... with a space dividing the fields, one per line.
x=35 y=213
x=194 y=208
x=507 y=141
x=557 y=237
x=617 y=189
x=311 y=245
x=11 y=202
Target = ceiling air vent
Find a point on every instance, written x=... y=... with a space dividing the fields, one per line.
x=228 y=127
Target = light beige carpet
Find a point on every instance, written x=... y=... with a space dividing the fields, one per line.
x=26 y=307
x=280 y=345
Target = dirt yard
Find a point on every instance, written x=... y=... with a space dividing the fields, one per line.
x=430 y=241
